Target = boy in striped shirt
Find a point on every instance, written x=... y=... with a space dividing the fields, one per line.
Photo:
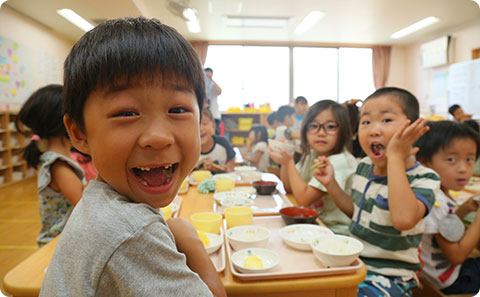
x=391 y=192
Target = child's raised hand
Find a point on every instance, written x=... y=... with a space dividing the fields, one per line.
x=280 y=157
x=402 y=141
x=323 y=170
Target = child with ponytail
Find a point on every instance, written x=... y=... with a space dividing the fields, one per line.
x=59 y=178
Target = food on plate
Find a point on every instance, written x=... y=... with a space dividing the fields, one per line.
x=253 y=262
x=203 y=237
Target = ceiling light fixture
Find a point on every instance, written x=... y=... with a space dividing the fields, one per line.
x=477 y=1
x=256 y=22
x=415 y=27
x=2 y=1
x=311 y=19
x=75 y=19
x=193 y=24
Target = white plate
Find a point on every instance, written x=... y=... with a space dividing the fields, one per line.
x=236 y=201
x=229 y=194
x=249 y=190
x=269 y=259
x=216 y=242
x=248 y=236
x=299 y=236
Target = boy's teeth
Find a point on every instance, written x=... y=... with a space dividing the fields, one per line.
x=144 y=168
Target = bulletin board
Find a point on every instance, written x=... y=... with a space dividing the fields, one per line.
x=16 y=71
x=464 y=86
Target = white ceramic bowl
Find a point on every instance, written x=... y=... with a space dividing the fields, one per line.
x=239 y=169
x=249 y=190
x=233 y=176
x=299 y=236
x=269 y=259
x=336 y=250
x=250 y=176
x=236 y=201
x=248 y=236
x=216 y=242
x=229 y=194
x=277 y=146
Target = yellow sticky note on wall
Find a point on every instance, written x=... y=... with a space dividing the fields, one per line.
x=14 y=91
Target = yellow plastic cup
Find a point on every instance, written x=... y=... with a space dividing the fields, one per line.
x=167 y=212
x=224 y=184
x=238 y=216
x=209 y=222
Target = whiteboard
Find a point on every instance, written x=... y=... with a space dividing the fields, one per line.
x=464 y=86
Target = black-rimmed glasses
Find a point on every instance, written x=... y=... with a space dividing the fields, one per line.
x=329 y=127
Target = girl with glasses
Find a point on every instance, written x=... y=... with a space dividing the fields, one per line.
x=325 y=132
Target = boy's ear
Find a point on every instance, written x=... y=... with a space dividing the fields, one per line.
x=77 y=136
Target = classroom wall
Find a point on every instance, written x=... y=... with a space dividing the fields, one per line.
x=42 y=41
x=406 y=71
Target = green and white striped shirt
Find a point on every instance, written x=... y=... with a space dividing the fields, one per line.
x=388 y=251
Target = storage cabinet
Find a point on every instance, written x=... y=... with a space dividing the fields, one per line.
x=237 y=125
x=12 y=166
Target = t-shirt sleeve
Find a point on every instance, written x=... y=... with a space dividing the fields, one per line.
x=224 y=142
x=260 y=147
x=425 y=186
x=148 y=264
x=432 y=221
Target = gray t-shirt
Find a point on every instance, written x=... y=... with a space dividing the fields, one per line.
x=112 y=246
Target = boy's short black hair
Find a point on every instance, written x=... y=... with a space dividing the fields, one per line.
x=408 y=101
x=208 y=69
x=453 y=108
x=301 y=99
x=124 y=52
x=272 y=117
x=283 y=112
x=473 y=124
x=440 y=135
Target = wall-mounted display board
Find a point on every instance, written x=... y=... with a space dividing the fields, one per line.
x=16 y=71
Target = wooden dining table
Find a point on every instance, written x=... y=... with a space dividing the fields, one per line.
x=26 y=278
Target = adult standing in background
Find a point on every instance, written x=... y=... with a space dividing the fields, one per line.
x=213 y=91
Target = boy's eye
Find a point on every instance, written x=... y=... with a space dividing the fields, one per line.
x=365 y=123
x=470 y=160
x=451 y=160
x=178 y=110
x=387 y=120
x=127 y=113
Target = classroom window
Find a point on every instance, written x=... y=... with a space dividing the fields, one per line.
x=250 y=74
x=260 y=74
x=315 y=73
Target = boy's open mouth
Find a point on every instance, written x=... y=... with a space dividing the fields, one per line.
x=155 y=177
x=377 y=149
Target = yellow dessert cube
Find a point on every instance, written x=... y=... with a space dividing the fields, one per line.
x=253 y=262
x=203 y=237
x=199 y=175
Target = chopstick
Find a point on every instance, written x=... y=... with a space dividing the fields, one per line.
x=215 y=165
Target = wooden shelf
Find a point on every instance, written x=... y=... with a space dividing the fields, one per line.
x=230 y=120
x=12 y=142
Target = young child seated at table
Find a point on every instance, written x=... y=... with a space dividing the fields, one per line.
x=217 y=155
x=458 y=114
x=285 y=118
x=134 y=89
x=272 y=124
x=257 y=154
x=391 y=192
x=325 y=132
x=451 y=149
x=59 y=178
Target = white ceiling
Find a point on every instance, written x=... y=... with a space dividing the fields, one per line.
x=346 y=21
